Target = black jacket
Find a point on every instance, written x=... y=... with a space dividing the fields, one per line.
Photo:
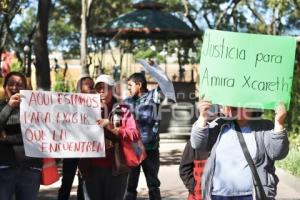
x=186 y=168
x=12 y=151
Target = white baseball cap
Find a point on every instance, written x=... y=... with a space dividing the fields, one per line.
x=107 y=79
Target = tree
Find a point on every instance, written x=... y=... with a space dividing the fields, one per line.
x=8 y=11
x=74 y=30
x=85 y=10
x=41 y=47
x=64 y=30
x=273 y=17
x=268 y=16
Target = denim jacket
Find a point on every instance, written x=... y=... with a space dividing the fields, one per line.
x=146 y=110
x=271 y=146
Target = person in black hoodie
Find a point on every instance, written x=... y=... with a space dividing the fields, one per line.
x=190 y=170
x=84 y=85
x=19 y=175
x=193 y=161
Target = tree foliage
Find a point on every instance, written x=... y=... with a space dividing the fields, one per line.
x=64 y=30
x=8 y=11
x=275 y=17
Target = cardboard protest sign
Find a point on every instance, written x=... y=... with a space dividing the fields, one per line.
x=162 y=79
x=61 y=125
x=247 y=70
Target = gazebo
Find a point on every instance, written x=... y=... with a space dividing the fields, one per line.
x=148 y=21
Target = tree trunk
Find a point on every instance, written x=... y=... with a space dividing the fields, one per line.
x=40 y=46
x=85 y=7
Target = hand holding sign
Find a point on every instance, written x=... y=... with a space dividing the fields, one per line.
x=61 y=125
x=280 y=115
x=103 y=122
x=14 y=100
x=204 y=111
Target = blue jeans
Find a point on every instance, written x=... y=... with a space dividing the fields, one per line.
x=150 y=168
x=24 y=183
x=247 y=197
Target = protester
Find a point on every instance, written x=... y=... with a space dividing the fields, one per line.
x=145 y=105
x=227 y=174
x=56 y=65
x=102 y=180
x=84 y=85
x=193 y=160
x=19 y=175
x=191 y=170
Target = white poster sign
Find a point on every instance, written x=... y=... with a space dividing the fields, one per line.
x=162 y=79
x=61 y=125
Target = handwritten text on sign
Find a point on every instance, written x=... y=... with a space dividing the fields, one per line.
x=247 y=70
x=61 y=125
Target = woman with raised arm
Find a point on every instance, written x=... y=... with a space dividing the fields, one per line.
x=227 y=174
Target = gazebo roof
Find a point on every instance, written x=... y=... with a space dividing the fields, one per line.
x=147 y=21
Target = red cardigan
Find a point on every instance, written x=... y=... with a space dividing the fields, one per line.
x=127 y=131
x=191 y=169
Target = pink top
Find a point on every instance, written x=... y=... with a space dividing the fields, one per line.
x=127 y=131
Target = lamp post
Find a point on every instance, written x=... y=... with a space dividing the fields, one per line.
x=116 y=72
x=164 y=53
x=192 y=55
x=27 y=63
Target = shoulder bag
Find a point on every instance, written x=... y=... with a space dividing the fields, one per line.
x=259 y=190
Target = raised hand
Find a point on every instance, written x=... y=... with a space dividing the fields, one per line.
x=280 y=115
x=204 y=109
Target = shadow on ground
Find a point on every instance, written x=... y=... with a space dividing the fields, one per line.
x=170 y=158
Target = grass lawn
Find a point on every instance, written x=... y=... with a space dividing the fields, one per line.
x=291 y=163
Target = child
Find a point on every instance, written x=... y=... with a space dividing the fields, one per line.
x=191 y=169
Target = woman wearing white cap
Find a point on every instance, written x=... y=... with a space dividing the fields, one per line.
x=101 y=180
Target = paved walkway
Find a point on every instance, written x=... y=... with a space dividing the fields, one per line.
x=172 y=187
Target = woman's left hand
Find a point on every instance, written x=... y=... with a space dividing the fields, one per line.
x=280 y=115
x=103 y=122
